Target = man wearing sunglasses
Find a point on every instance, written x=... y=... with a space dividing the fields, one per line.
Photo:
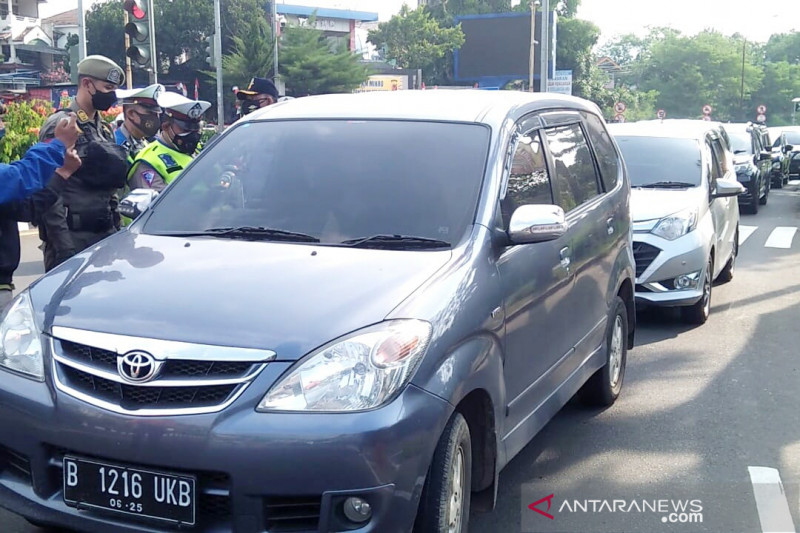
x=164 y=159
x=260 y=93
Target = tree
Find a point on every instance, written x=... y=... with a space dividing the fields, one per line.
x=311 y=65
x=181 y=29
x=104 y=31
x=576 y=38
x=415 y=40
x=784 y=47
x=252 y=54
x=237 y=16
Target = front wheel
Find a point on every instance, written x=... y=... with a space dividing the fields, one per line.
x=444 y=505
x=763 y=200
x=727 y=273
x=699 y=312
x=604 y=386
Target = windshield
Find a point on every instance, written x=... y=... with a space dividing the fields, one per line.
x=652 y=160
x=741 y=143
x=332 y=180
x=793 y=137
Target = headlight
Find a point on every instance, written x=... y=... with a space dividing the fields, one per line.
x=676 y=225
x=20 y=345
x=361 y=371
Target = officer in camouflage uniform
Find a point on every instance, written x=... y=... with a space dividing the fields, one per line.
x=165 y=158
x=86 y=210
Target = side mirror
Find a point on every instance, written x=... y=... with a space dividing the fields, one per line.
x=765 y=156
x=137 y=202
x=787 y=148
x=726 y=188
x=536 y=223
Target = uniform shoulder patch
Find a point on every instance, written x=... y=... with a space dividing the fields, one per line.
x=148 y=176
x=170 y=162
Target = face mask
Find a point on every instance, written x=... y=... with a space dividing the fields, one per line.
x=248 y=106
x=103 y=101
x=148 y=124
x=186 y=143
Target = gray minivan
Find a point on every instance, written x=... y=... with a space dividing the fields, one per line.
x=349 y=313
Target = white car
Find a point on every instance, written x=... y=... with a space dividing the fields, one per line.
x=685 y=211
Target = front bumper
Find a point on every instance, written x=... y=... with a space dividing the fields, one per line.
x=251 y=467
x=684 y=255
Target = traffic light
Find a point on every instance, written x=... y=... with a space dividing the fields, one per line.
x=138 y=29
x=210 y=58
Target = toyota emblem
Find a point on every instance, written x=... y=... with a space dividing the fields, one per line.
x=137 y=367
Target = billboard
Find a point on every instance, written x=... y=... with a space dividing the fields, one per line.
x=561 y=83
x=384 y=82
x=498 y=46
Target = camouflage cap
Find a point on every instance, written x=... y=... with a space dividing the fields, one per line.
x=101 y=68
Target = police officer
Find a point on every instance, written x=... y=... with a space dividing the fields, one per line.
x=141 y=118
x=86 y=210
x=163 y=160
x=261 y=92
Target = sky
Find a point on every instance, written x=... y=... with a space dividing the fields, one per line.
x=757 y=20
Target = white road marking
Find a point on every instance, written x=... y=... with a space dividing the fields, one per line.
x=745 y=232
x=781 y=237
x=773 y=509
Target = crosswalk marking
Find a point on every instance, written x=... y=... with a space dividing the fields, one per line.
x=781 y=237
x=745 y=232
x=770 y=495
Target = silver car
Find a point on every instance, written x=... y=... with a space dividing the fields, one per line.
x=685 y=211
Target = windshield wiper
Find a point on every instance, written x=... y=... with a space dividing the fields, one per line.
x=667 y=185
x=396 y=241
x=248 y=232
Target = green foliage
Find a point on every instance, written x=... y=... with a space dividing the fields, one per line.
x=311 y=64
x=415 y=40
x=104 y=31
x=22 y=122
x=576 y=38
x=251 y=55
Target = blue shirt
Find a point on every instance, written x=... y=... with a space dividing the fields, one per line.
x=22 y=178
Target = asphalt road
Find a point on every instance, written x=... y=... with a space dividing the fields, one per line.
x=709 y=417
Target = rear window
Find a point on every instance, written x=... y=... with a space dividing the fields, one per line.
x=658 y=159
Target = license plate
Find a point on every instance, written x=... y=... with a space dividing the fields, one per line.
x=133 y=491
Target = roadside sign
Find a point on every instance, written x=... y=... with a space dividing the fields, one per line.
x=661 y=114
x=707 y=109
x=761 y=109
x=620 y=107
x=761 y=118
x=619 y=117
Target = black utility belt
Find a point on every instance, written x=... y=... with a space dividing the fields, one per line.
x=95 y=222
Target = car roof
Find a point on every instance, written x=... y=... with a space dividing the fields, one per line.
x=672 y=128
x=470 y=105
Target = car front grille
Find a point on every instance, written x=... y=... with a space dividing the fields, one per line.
x=179 y=386
x=644 y=254
x=293 y=514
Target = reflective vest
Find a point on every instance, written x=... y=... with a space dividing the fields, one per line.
x=169 y=163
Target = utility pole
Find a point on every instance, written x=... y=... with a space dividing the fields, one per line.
x=81 y=32
x=544 y=46
x=531 y=61
x=153 y=53
x=276 y=26
x=128 y=71
x=741 y=97
x=218 y=58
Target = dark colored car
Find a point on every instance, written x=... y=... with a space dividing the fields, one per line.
x=348 y=313
x=752 y=158
x=790 y=142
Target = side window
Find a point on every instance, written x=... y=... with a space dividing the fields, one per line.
x=716 y=164
x=721 y=156
x=574 y=176
x=528 y=181
x=607 y=158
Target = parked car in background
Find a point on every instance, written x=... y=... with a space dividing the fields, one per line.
x=780 y=163
x=791 y=146
x=752 y=157
x=348 y=313
x=685 y=211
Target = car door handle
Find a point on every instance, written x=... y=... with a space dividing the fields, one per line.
x=564 y=255
x=610 y=225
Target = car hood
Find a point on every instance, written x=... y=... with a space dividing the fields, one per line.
x=290 y=298
x=652 y=204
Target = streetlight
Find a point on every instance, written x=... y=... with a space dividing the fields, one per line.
x=534 y=5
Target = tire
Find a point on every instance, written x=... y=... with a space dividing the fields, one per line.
x=727 y=273
x=779 y=184
x=763 y=200
x=753 y=207
x=604 y=387
x=699 y=312
x=441 y=509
